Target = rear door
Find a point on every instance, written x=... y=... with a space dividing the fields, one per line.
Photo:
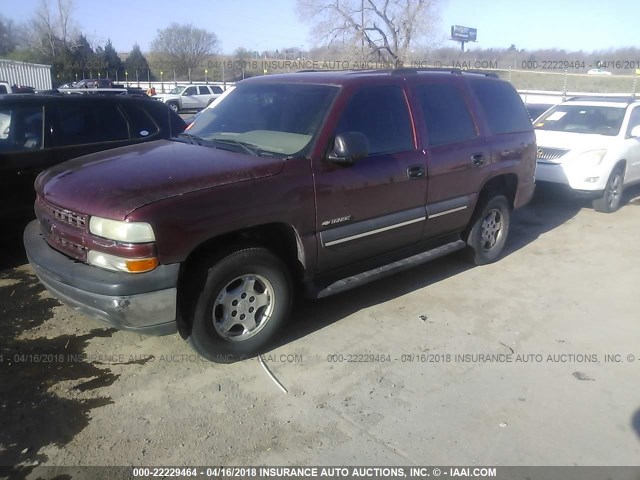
x=458 y=155
x=377 y=204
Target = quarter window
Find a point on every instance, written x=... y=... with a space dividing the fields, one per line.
x=381 y=114
x=502 y=106
x=140 y=123
x=445 y=114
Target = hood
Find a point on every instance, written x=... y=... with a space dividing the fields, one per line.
x=163 y=96
x=578 y=142
x=115 y=182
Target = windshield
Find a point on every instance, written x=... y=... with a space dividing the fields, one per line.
x=277 y=119
x=582 y=119
x=177 y=90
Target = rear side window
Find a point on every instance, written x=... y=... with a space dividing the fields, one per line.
x=446 y=114
x=502 y=106
x=216 y=89
x=381 y=114
x=140 y=122
x=21 y=128
x=204 y=91
x=78 y=124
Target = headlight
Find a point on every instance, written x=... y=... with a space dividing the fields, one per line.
x=119 y=264
x=592 y=157
x=129 y=232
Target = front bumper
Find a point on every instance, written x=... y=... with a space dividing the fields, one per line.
x=573 y=175
x=143 y=303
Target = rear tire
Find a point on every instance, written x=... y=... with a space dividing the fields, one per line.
x=489 y=230
x=612 y=197
x=244 y=301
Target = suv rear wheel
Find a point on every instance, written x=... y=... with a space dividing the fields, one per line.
x=245 y=299
x=489 y=229
x=612 y=198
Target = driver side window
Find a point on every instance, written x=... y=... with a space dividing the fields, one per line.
x=191 y=91
x=634 y=120
x=381 y=114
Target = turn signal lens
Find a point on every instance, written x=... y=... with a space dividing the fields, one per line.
x=142 y=265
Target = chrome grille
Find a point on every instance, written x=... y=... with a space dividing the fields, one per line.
x=79 y=250
x=65 y=216
x=545 y=153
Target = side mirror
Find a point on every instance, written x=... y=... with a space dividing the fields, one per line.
x=635 y=131
x=348 y=148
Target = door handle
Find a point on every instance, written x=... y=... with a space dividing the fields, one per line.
x=478 y=159
x=416 y=171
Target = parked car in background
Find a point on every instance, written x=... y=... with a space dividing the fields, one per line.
x=5 y=88
x=591 y=145
x=598 y=71
x=214 y=104
x=536 y=109
x=93 y=83
x=190 y=97
x=318 y=180
x=39 y=131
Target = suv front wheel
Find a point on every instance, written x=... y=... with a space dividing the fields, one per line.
x=174 y=106
x=612 y=198
x=245 y=299
x=489 y=229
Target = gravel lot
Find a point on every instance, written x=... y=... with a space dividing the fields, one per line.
x=566 y=295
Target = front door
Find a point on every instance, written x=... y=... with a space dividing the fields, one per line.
x=377 y=204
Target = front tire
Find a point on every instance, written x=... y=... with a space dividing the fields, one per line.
x=174 y=106
x=489 y=231
x=612 y=198
x=245 y=299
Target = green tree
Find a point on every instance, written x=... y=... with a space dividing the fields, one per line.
x=110 y=61
x=136 y=61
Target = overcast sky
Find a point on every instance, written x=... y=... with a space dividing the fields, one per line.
x=261 y=25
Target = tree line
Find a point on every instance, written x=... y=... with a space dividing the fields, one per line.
x=385 y=32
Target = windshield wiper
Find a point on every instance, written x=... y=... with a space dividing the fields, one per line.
x=247 y=147
x=193 y=139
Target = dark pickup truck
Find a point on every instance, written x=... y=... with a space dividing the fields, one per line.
x=324 y=180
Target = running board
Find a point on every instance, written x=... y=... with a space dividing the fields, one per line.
x=389 y=269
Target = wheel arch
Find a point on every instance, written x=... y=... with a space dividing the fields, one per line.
x=505 y=184
x=280 y=238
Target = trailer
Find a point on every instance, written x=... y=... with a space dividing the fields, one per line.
x=33 y=75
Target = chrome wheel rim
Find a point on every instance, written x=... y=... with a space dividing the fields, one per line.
x=243 y=307
x=614 y=191
x=491 y=229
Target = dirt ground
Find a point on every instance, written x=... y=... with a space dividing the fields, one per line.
x=444 y=364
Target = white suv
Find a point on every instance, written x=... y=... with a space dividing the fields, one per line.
x=591 y=145
x=190 y=97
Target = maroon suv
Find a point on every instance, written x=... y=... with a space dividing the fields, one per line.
x=326 y=180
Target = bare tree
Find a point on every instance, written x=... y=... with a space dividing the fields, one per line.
x=52 y=27
x=8 y=35
x=385 y=28
x=185 y=46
